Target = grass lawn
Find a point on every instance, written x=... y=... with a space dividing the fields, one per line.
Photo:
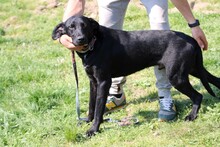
x=37 y=87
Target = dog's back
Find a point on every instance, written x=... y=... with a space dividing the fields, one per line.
x=135 y=50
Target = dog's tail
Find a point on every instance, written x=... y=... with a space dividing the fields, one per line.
x=204 y=75
x=213 y=80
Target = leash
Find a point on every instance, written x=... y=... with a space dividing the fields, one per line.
x=77 y=90
x=80 y=119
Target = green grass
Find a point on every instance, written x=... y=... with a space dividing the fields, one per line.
x=37 y=87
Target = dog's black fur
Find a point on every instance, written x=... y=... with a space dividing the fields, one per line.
x=120 y=53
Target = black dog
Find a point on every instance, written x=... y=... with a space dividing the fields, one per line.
x=109 y=53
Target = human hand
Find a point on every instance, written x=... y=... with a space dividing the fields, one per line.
x=200 y=37
x=66 y=41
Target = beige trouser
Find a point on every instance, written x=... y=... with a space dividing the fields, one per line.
x=112 y=13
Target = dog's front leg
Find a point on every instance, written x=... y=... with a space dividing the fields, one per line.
x=102 y=93
x=92 y=99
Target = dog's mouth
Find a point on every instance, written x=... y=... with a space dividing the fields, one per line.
x=80 y=47
x=84 y=47
x=79 y=44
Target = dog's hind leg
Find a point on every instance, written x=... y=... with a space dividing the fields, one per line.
x=180 y=81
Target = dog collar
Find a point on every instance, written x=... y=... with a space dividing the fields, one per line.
x=89 y=47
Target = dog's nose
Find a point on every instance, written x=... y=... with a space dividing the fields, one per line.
x=81 y=39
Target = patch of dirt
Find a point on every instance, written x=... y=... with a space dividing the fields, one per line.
x=204 y=7
x=199 y=6
x=91 y=7
x=10 y=21
x=47 y=4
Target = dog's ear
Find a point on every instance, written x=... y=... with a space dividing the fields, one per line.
x=58 y=31
x=95 y=25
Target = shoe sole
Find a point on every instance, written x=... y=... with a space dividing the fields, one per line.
x=115 y=109
x=166 y=120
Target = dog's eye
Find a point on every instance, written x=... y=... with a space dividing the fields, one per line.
x=72 y=26
x=83 y=25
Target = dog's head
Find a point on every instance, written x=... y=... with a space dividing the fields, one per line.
x=81 y=29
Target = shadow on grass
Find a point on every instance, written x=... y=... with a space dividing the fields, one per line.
x=183 y=106
x=148 y=98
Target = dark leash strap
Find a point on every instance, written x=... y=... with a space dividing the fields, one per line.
x=77 y=90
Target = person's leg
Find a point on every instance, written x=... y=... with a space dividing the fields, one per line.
x=158 y=17
x=111 y=14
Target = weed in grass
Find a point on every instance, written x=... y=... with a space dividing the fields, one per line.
x=72 y=135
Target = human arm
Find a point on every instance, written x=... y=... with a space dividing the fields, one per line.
x=74 y=7
x=197 y=33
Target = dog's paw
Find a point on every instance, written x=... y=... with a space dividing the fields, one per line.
x=90 y=119
x=91 y=133
x=190 y=117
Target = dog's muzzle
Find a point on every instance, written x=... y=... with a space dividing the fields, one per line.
x=88 y=47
